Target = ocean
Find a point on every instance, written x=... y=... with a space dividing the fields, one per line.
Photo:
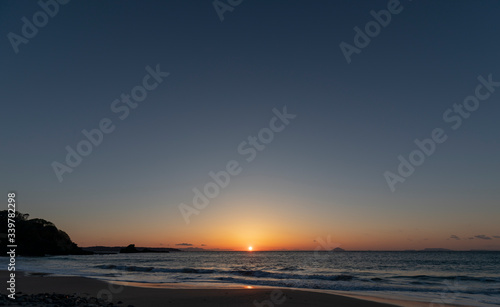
x=468 y=278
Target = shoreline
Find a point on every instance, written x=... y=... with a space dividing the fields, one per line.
x=398 y=300
x=154 y=294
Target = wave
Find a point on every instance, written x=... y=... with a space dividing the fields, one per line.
x=245 y=273
x=416 y=279
x=356 y=286
x=124 y=268
x=152 y=269
x=420 y=283
x=443 y=278
x=290 y=268
x=261 y=273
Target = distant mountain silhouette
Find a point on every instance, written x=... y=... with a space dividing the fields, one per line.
x=338 y=249
x=131 y=249
x=193 y=249
x=37 y=237
x=436 y=250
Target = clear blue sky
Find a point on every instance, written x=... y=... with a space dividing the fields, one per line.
x=326 y=167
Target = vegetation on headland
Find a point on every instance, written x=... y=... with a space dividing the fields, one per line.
x=39 y=237
x=36 y=237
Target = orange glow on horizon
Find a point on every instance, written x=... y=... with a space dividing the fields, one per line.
x=236 y=224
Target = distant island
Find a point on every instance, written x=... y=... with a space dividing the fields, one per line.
x=131 y=249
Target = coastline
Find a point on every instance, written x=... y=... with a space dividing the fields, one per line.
x=140 y=294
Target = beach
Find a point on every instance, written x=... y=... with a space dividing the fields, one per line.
x=266 y=278
x=135 y=295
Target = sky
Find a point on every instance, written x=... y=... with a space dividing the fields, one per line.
x=330 y=125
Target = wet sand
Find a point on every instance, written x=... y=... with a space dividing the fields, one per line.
x=153 y=295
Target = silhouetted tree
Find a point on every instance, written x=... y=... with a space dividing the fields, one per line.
x=37 y=237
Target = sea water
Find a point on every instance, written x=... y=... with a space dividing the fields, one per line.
x=470 y=278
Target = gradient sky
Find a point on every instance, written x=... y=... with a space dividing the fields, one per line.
x=321 y=176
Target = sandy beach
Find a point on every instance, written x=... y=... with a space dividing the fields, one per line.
x=132 y=294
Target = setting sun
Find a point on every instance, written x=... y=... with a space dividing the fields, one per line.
x=250 y=248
